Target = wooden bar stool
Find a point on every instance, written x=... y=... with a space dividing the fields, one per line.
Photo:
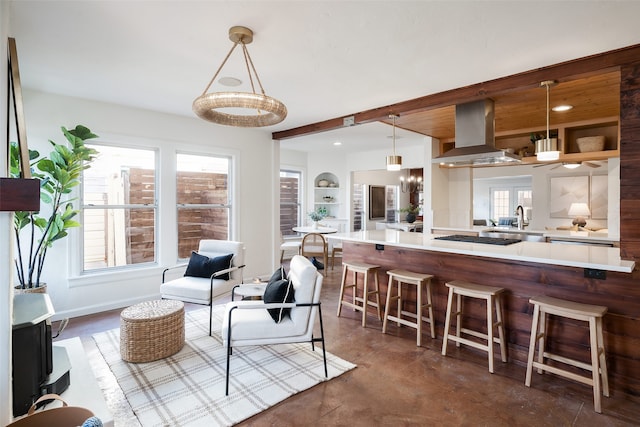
x=360 y=303
x=543 y=305
x=492 y=295
x=422 y=282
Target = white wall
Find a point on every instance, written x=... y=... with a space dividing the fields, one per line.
x=74 y=295
x=6 y=308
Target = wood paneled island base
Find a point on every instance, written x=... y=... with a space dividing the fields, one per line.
x=620 y=292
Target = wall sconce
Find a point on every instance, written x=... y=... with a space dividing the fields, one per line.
x=412 y=185
x=579 y=210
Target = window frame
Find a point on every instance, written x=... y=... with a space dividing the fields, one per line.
x=78 y=263
x=301 y=197
x=230 y=191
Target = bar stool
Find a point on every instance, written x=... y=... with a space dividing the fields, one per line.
x=492 y=295
x=364 y=301
x=422 y=282
x=543 y=305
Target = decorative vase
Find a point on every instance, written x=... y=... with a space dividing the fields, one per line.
x=314 y=225
x=42 y=289
x=411 y=217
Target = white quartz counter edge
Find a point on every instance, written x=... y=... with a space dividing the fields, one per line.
x=585 y=236
x=582 y=256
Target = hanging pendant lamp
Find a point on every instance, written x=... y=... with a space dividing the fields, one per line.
x=547 y=149
x=268 y=111
x=394 y=163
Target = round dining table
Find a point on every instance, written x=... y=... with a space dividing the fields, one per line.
x=311 y=229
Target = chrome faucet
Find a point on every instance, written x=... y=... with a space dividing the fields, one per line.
x=520 y=216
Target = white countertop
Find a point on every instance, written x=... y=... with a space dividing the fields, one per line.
x=582 y=256
x=570 y=235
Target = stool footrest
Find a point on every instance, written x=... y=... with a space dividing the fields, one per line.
x=563 y=373
x=568 y=361
x=461 y=340
x=475 y=334
x=404 y=322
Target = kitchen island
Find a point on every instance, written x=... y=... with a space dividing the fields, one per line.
x=582 y=273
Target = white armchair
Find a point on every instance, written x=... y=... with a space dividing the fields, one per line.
x=249 y=322
x=204 y=290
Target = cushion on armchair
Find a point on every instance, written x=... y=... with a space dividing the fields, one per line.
x=203 y=266
x=279 y=274
x=278 y=291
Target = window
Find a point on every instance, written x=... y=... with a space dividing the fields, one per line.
x=119 y=208
x=504 y=202
x=290 y=196
x=202 y=194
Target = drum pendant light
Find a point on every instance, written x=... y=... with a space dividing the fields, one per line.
x=394 y=163
x=268 y=111
x=547 y=149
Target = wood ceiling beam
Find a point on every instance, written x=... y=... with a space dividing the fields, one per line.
x=565 y=71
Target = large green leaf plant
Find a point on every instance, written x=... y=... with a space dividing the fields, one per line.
x=59 y=174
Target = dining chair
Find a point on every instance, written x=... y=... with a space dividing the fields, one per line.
x=315 y=245
x=288 y=245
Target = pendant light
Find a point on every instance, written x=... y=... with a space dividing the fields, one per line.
x=394 y=163
x=269 y=111
x=547 y=149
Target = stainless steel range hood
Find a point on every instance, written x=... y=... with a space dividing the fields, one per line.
x=475 y=145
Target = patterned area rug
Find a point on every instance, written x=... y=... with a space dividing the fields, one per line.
x=187 y=389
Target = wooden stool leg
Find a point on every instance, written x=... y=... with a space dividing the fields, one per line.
x=500 y=322
x=365 y=298
x=399 y=301
x=419 y=314
x=355 y=288
x=490 y=331
x=387 y=305
x=603 y=358
x=595 y=369
x=532 y=344
x=377 y=285
x=447 y=322
x=458 y=317
x=430 y=303
x=342 y=284
x=542 y=338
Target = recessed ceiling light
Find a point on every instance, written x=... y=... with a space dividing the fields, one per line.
x=562 y=107
x=229 y=81
x=337 y=143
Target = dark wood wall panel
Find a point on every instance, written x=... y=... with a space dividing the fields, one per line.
x=629 y=161
x=619 y=292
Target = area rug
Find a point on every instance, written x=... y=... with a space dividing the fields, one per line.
x=187 y=389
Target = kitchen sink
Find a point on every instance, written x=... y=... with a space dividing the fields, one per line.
x=529 y=237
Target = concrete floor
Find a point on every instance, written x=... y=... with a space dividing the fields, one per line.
x=399 y=384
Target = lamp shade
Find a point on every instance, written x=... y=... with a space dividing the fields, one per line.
x=394 y=163
x=579 y=209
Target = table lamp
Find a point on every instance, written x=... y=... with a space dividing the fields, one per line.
x=579 y=211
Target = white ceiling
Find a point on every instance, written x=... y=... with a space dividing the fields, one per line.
x=323 y=59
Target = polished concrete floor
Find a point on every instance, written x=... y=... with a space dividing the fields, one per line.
x=399 y=384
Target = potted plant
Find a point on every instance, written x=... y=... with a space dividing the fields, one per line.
x=316 y=216
x=412 y=211
x=59 y=174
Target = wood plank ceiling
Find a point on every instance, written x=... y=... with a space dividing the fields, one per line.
x=592 y=97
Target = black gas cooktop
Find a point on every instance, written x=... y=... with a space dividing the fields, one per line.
x=476 y=239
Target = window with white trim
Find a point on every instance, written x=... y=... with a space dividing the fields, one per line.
x=290 y=201
x=203 y=199
x=119 y=208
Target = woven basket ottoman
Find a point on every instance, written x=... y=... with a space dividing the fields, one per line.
x=151 y=330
